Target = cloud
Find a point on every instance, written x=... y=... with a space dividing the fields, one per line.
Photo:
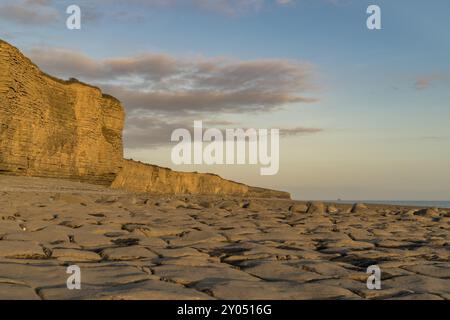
x=42 y=12
x=425 y=81
x=162 y=83
x=38 y=2
x=162 y=92
x=152 y=132
x=202 y=101
x=29 y=12
x=228 y=7
x=231 y=7
x=284 y=2
x=434 y=138
x=299 y=131
x=149 y=132
x=66 y=63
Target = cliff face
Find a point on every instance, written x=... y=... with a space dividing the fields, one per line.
x=67 y=129
x=140 y=177
x=55 y=128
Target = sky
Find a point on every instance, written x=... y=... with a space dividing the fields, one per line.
x=363 y=114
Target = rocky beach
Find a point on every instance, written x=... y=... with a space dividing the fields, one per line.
x=142 y=246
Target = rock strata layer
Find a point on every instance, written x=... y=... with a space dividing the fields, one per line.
x=141 y=177
x=55 y=128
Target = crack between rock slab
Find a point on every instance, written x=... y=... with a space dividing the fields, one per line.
x=421 y=274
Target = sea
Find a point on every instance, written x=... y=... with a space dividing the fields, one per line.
x=432 y=204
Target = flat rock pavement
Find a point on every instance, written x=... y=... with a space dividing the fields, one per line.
x=131 y=246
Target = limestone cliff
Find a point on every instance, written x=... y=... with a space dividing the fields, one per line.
x=141 y=177
x=67 y=129
x=55 y=128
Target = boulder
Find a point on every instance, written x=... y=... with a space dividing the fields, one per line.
x=359 y=208
x=316 y=207
x=332 y=209
x=428 y=212
x=298 y=208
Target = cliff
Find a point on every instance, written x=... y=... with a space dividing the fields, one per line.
x=67 y=129
x=141 y=177
x=55 y=128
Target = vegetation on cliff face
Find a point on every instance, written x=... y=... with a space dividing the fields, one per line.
x=68 y=129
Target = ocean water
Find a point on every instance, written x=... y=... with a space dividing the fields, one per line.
x=434 y=204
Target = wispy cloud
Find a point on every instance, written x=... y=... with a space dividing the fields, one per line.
x=29 y=12
x=434 y=138
x=229 y=7
x=423 y=82
x=44 y=12
x=299 y=131
x=151 y=132
x=148 y=132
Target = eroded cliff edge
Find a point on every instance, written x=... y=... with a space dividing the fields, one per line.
x=67 y=129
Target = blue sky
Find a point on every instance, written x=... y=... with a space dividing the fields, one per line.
x=383 y=97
